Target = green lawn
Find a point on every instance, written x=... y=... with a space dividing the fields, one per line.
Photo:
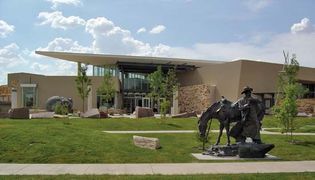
x=82 y=141
x=302 y=124
x=277 y=176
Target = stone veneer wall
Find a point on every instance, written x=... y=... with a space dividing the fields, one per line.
x=195 y=98
x=306 y=105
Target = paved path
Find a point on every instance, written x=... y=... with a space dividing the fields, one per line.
x=165 y=169
x=151 y=132
x=193 y=131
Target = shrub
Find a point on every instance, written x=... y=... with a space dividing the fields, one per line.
x=165 y=105
x=61 y=109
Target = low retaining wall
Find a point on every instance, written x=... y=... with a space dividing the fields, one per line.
x=195 y=98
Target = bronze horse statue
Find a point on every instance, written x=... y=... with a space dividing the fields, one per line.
x=226 y=112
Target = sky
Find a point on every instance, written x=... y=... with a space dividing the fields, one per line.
x=223 y=30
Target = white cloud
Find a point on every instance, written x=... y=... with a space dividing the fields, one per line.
x=5 y=29
x=271 y=51
x=10 y=56
x=56 y=3
x=49 y=66
x=64 y=44
x=141 y=30
x=256 y=5
x=304 y=26
x=109 y=38
x=11 y=60
x=57 y=20
x=157 y=29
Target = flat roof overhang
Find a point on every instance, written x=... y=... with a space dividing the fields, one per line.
x=106 y=59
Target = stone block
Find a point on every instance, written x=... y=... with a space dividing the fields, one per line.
x=146 y=142
x=42 y=115
x=141 y=112
x=185 y=115
x=19 y=113
x=92 y=113
x=103 y=114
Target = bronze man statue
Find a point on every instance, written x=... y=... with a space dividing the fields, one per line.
x=249 y=126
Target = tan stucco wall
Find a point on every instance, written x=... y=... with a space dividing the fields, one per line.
x=263 y=77
x=230 y=77
x=195 y=98
x=48 y=86
x=224 y=76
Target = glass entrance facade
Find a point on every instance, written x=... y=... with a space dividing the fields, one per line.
x=29 y=97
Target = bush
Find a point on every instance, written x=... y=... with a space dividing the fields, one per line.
x=165 y=105
x=61 y=109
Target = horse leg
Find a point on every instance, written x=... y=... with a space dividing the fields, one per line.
x=227 y=128
x=220 y=133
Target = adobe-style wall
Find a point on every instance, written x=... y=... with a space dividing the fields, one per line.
x=306 y=105
x=48 y=86
x=196 y=97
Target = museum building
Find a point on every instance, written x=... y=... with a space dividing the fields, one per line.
x=202 y=82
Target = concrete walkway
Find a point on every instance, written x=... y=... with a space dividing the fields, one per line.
x=193 y=131
x=164 y=169
x=150 y=132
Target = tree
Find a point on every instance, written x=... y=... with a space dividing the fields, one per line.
x=163 y=86
x=106 y=90
x=288 y=91
x=156 y=80
x=170 y=84
x=83 y=83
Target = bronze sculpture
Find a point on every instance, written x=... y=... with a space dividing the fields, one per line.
x=248 y=113
x=52 y=101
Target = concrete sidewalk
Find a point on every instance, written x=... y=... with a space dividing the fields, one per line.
x=163 y=169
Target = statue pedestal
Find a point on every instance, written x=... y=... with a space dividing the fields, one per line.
x=243 y=150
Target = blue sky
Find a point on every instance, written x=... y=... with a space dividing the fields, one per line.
x=202 y=29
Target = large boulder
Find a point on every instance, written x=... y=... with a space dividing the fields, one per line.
x=92 y=113
x=144 y=112
x=52 y=101
x=185 y=115
x=146 y=142
x=19 y=113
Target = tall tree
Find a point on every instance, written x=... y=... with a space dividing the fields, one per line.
x=163 y=86
x=170 y=84
x=106 y=90
x=288 y=91
x=156 y=80
x=83 y=83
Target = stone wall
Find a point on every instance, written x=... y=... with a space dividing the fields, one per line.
x=195 y=98
x=306 y=105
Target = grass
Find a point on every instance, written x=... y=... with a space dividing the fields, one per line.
x=277 y=176
x=82 y=141
x=302 y=124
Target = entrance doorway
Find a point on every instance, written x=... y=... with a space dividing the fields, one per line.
x=132 y=100
x=146 y=102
